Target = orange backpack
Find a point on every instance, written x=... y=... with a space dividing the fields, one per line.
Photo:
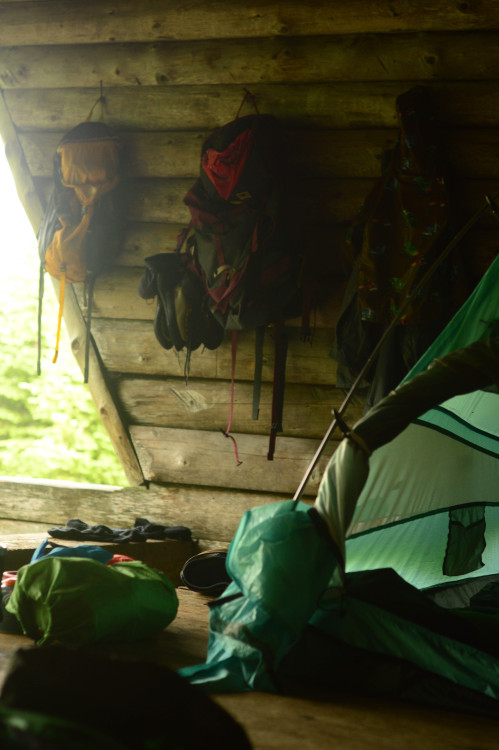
x=82 y=229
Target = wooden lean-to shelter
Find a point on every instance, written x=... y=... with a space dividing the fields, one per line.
x=169 y=73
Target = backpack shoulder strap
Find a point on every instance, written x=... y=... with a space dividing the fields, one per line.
x=280 y=354
x=257 y=379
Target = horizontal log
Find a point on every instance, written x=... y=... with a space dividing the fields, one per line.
x=162 y=200
x=144 y=239
x=342 y=105
x=209 y=513
x=201 y=404
x=159 y=200
x=320 y=201
x=368 y=57
x=208 y=459
x=325 y=154
x=167 y=154
x=116 y=296
x=11 y=528
x=56 y=22
x=128 y=346
x=317 y=201
x=147 y=238
x=334 y=153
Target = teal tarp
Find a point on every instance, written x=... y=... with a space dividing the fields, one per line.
x=291 y=614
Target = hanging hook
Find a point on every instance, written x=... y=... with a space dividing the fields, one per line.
x=100 y=101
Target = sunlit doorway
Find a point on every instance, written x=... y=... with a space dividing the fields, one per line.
x=49 y=427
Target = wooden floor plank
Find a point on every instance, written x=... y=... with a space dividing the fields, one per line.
x=300 y=722
x=274 y=722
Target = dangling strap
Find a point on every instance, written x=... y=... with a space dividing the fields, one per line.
x=187 y=364
x=226 y=432
x=281 y=349
x=41 y=288
x=257 y=379
x=90 y=293
x=61 y=308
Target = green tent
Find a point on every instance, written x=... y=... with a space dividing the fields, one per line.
x=390 y=583
x=430 y=506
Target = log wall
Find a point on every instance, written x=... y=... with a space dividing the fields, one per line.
x=173 y=71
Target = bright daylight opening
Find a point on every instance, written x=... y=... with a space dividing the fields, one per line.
x=49 y=427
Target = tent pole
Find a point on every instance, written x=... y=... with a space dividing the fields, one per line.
x=489 y=203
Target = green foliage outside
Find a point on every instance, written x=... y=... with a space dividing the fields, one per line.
x=49 y=426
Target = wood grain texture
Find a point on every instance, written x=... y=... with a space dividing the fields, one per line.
x=130 y=346
x=205 y=404
x=332 y=154
x=55 y=22
x=176 y=154
x=209 y=513
x=324 y=202
x=116 y=296
x=143 y=239
x=366 y=57
x=328 y=241
x=208 y=459
x=338 y=105
x=304 y=718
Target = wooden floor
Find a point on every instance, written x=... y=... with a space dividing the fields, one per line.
x=306 y=722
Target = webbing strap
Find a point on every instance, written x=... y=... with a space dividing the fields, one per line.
x=281 y=350
x=41 y=289
x=257 y=378
x=91 y=283
x=59 y=317
x=226 y=432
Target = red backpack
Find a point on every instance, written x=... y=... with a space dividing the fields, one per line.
x=239 y=249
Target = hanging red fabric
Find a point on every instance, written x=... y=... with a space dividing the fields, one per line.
x=225 y=168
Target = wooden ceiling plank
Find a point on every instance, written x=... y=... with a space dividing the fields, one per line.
x=169 y=455
x=209 y=513
x=94 y=21
x=340 y=105
x=333 y=154
x=368 y=57
x=130 y=347
x=205 y=403
x=116 y=296
x=176 y=154
x=325 y=202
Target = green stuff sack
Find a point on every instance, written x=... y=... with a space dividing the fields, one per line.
x=78 y=601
